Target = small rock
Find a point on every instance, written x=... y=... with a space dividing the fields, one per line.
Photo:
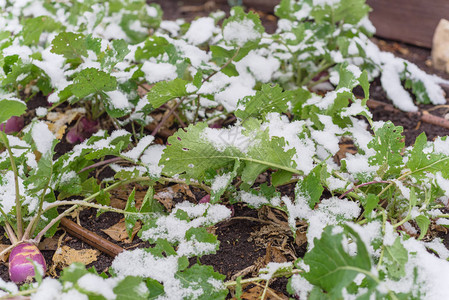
x=440 y=47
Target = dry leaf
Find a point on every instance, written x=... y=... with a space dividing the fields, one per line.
x=58 y=121
x=65 y=256
x=4 y=257
x=256 y=292
x=165 y=196
x=118 y=231
x=49 y=244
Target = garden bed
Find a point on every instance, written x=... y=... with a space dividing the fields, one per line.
x=254 y=236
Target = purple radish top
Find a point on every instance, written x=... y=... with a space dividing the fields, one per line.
x=21 y=269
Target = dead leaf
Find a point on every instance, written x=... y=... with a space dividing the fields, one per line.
x=118 y=231
x=58 y=121
x=4 y=257
x=255 y=293
x=65 y=256
x=49 y=244
x=166 y=195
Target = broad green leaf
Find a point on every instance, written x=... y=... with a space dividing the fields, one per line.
x=331 y=267
x=155 y=288
x=130 y=288
x=420 y=162
x=280 y=177
x=33 y=28
x=74 y=272
x=69 y=44
x=11 y=108
x=310 y=187
x=164 y=91
x=131 y=219
x=388 y=144
x=423 y=224
x=369 y=203
x=191 y=154
x=92 y=81
x=396 y=256
x=268 y=99
x=199 y=277
x=241 y=21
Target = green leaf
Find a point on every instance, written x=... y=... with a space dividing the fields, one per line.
x=249 y=22
x=369 y=203
x=11 y=108
x=280 y=177
x=198 y=277
x=191 y=154
x=396 y=256
x=268 y=99
x=164 y=91
x=74 y=272
x=33 y=28
x=155 y=288
x=131 y=219
x=423 y=224
x=92 y=81
x=224 y=181
x=388 y=143
x=331 y=267
x=69 y=44
x=310 y=187
x=130 y=288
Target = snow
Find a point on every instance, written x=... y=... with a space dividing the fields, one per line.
x=227 y=137
x=118 y=99
x=151 y=157
x=220 y=182
x=273 y=267
x=135 y=153
x=50 y=289
x=8 y=192
x=43 y=138
x=98 y=285
x=41 y=111
x=53 y=65
x=240 y=32
x=200 y=31
x=255 y=201
x=155 y=72
x=301 y=286
x=280 y=126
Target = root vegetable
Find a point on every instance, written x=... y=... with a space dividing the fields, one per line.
x=21 y=268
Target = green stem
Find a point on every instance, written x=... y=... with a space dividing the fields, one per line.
x=16 y=185
x=87 y=199
x=33 y=224
x=18 y=294
x=257 y=279
x=89 y=204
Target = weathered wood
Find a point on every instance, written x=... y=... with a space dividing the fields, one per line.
x=410 y=21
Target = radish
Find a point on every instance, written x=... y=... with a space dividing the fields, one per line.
x=21 y=267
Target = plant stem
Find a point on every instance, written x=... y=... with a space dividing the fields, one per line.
x=264 y=293
x=19 y=294
x=88 y=199
x=223 y=66
x=167 y=115
x=11 y=235
x=361 y=185
x=33 y=224
x=16 y=185
x=256 y=279
x=89 y=204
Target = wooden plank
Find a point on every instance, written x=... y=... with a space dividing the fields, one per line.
x=410 y=21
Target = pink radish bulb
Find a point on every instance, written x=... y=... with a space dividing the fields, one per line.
x=21 y=269
x=14 y=124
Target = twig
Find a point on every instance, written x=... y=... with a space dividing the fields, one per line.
x=91 y=238
x=100 y=163
x=165 y=118
x=425 y=116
